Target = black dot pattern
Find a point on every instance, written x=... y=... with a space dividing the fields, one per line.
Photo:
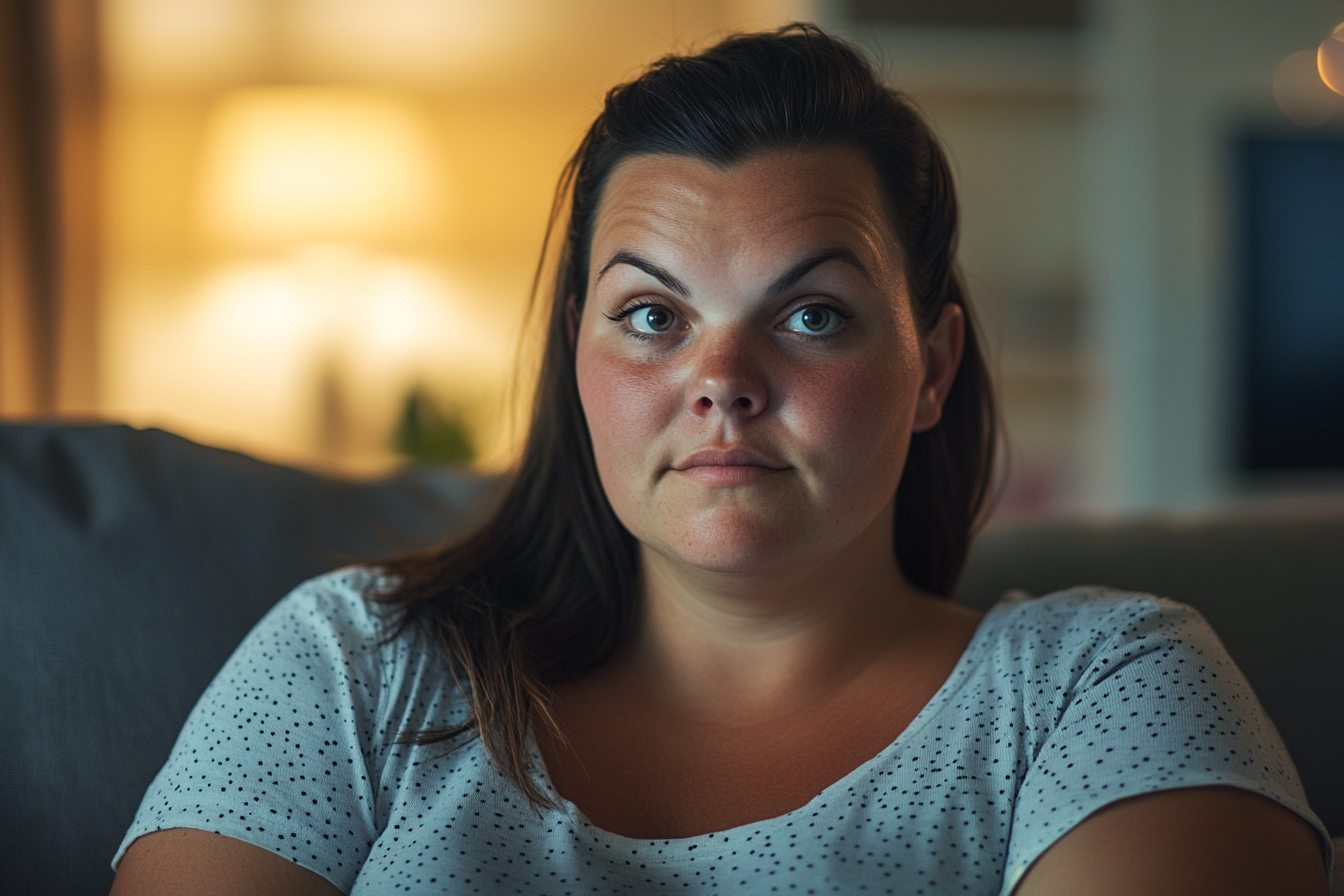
x=1059 y=706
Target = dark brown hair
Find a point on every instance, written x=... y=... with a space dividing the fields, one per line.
x=547 y=589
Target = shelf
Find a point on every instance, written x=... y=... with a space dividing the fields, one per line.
x=978 y=62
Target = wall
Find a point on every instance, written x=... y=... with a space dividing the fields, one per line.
x=1171 y=82
x=1096 y=183
x=507 y=89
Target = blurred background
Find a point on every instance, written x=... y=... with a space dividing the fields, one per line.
x=307 y=229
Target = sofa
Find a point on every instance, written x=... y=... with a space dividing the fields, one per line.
x=132 y=562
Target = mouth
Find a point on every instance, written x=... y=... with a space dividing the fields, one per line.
x=720 y=467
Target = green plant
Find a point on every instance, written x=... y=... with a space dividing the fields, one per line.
x=428 y=434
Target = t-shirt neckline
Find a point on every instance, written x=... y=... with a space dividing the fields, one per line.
x=970 y=658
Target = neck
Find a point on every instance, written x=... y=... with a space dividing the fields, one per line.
x=739 y=645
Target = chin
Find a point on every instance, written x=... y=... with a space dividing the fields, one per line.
x=740 y=543
x=715 y=559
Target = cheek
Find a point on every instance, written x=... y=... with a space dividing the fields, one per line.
x=626 y=404
x=857 y=416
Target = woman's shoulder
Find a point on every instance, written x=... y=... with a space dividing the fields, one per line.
x=314 y=698
x=335 y=629
x=1085 y=601
x=342 y=603
x=1085 y=634
x=1115 y=694
x=1086 y=611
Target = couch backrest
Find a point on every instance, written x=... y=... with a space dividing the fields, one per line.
x=133 y=562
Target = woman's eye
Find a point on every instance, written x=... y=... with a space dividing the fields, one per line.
x=651 y=319
x=814 y=320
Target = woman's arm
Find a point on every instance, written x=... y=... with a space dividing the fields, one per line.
x=277 y=755
x=183 y=860
x=1218 y=841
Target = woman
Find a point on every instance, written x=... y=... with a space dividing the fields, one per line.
x=706 y=642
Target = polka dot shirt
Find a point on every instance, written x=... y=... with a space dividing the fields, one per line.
x=1059 y=706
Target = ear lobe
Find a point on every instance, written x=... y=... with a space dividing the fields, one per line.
x=572 y=321
x=942 y=358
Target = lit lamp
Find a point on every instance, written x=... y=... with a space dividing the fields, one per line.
x=285 y=166
x=315 y=184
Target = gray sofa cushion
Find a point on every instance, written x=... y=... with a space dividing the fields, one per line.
x=131 y=564
x=1271 y=584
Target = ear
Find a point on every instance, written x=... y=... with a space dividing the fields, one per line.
x=942 y=358
x=572 y=321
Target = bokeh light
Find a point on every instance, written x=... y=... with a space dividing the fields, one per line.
x=1330 y=60
x=287 y=165
x=1301 y=94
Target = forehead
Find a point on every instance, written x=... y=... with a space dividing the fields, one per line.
x=776 y=199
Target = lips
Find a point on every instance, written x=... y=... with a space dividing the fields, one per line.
x=731 y=457
x=727 y=467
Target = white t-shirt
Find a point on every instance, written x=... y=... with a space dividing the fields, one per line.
x=1059 y=706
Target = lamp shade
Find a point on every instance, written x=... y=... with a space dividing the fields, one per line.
x=289 y=165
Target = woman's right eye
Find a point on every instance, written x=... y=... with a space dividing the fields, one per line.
x=651 y=319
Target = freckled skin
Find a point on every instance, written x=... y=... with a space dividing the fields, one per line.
x=777 y=646
x=733 y=370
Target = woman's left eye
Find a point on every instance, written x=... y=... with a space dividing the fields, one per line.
x=814 y=320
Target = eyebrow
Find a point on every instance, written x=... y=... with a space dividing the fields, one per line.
x=656 y=272
x=787 y=281
x=804 y=267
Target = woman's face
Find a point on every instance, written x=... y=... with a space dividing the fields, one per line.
x=748 y=359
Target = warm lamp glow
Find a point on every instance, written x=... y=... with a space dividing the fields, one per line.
x=1301 y=94
x=1330 y=60
x=287 y=165
x=245 y=360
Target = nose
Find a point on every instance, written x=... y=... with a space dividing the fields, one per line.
x=726 y=380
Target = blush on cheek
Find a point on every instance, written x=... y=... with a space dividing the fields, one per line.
x=853 y=408
x=856 y=418
x=625 y=405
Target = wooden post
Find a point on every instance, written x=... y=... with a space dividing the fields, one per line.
x=49 y=162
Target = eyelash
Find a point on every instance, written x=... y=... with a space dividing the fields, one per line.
x=630 y=309
x=839 y=331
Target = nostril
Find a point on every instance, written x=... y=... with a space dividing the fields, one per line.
x=726 y=397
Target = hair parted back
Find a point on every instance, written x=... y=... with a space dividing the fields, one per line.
x=546 y=590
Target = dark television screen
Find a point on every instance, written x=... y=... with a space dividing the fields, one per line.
x=1292 y=321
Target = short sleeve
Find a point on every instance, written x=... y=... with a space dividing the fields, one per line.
x=278 y=750
x=1152 y=702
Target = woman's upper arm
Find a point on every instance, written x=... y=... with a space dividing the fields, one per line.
x=183 y=860
x=1193 y=841
x=282 y=749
